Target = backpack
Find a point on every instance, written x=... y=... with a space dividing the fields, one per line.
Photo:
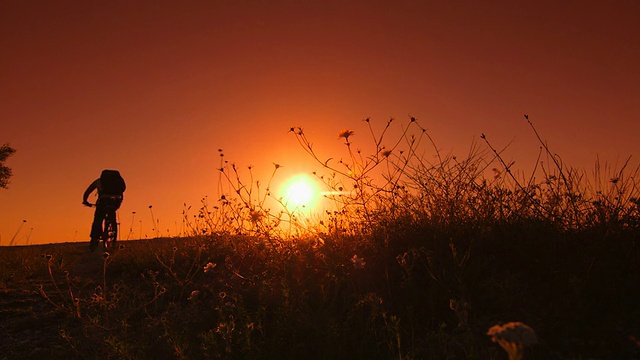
x=112 y=183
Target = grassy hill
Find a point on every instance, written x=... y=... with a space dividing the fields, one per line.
x=419 y=259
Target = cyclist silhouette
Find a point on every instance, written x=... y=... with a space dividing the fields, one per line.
x=110 y=186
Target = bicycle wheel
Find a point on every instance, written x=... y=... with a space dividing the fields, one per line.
x=110 y=231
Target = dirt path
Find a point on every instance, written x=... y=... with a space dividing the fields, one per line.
x=31 y=326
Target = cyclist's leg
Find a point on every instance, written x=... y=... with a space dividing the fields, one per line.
x=114 y=218
x=96 y=227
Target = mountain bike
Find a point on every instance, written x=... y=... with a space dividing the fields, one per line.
x=109 y=235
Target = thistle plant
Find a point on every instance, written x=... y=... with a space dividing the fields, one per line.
x=353 y=181
x=13 y=239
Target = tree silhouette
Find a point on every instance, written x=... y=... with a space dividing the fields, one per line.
x=5 y=172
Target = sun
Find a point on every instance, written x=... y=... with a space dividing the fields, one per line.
x=300 y=192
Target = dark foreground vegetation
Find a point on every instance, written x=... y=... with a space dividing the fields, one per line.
x=417 y=266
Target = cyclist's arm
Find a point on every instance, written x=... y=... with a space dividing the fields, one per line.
x=90 y=189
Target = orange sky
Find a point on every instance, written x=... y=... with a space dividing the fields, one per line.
x=155 y=89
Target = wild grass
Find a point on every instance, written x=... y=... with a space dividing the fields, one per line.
x=417 y=256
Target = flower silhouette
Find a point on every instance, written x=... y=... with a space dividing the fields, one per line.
x=345 y=134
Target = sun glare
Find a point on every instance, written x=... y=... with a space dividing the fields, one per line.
x=300 y=192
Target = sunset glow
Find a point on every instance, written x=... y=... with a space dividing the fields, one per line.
x=300 y=192
x=154 y=89
x=319 y=179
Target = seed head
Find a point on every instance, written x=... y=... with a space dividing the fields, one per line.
x=255 y=216
x=345 y=134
